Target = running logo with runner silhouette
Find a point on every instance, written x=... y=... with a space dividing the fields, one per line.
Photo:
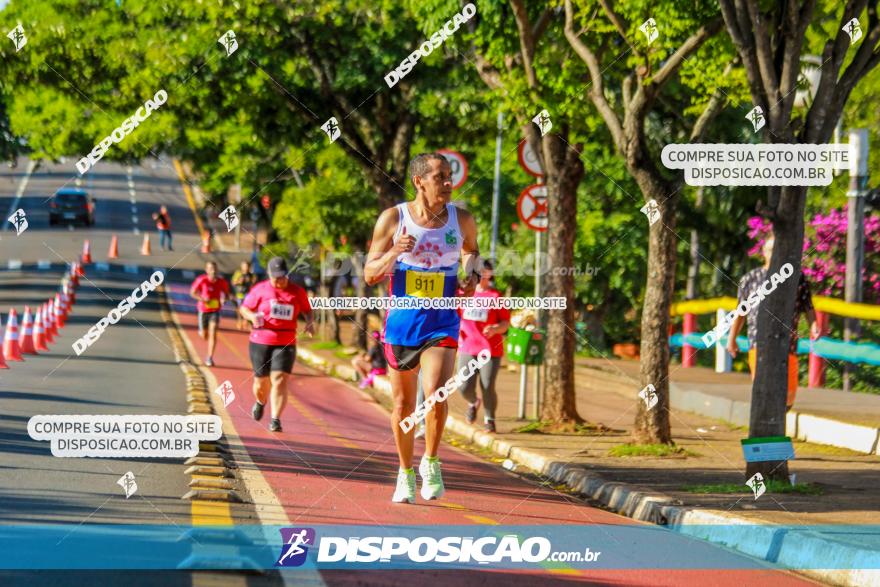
x=19 y=221
x=295 y=548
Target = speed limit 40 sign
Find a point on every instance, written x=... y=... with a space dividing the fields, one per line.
x=459 y=167
x=528 y=160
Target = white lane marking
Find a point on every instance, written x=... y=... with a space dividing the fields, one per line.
x=102 y=266
x=133 y=199
x=22 y=185
x=14 y=264
x=267 y=505
x=44 y=264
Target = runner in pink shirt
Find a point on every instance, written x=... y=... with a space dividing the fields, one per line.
x=482 y=329
x=272 y=307
x=211 y=291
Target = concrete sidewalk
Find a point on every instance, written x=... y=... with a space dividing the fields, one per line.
x=664 y=490
x=826 y=416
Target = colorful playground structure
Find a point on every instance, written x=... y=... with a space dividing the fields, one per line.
x=819 y=350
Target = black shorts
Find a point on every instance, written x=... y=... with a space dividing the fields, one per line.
x=266 y=358
x=406 y=358
x=206 y=318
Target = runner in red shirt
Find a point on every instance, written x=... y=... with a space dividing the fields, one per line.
x=482 y=329
x=211 y=291
x=272 y=307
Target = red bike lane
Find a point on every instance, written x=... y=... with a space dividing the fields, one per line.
x=335 y=463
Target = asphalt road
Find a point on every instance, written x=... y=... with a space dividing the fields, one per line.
x=333 y=464
x=124 y=203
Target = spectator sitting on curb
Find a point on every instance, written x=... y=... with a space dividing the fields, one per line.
x=371 y=363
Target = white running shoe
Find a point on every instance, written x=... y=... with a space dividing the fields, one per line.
x=432 y=480
x=406 y=487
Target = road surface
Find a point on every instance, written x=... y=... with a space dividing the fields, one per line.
x=334 y=463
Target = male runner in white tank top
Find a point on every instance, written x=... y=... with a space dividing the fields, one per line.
x=419 y=245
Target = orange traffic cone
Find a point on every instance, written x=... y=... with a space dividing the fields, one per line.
x=206 y=243
x=114 y=248
x=11 y=348
x=79 y=273
x=67 y=296
x=27 y=333
x=39 y=332
x=60 y=316
x=3 y=364
x=87 y=252
x=49 y=317
x=145 y=248
x=41 y=315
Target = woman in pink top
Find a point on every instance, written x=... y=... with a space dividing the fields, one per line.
x=482 y=329
x=272 y=307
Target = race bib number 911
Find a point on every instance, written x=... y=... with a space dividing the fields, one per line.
x=421 y=284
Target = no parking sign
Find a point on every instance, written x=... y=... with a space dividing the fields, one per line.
x=532 y=207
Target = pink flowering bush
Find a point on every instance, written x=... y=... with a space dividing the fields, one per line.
x=824 y=261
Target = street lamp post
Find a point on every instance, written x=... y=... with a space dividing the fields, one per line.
x=855 y=234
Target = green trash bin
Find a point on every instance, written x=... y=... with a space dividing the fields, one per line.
x=524 y=346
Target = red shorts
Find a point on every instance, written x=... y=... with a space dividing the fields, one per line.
x=407 y=358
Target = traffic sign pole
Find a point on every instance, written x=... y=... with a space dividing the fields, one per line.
x=531 y=207
x=496 y=188
x=536 y=386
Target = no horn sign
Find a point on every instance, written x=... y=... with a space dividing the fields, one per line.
x=532 y=207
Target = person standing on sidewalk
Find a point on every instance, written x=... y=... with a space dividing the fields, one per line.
x=272 y=307
x=421 y=244
x=750 y=282
x=482 y=329
x=163 y=225
x=211 y=291
x=242 y=282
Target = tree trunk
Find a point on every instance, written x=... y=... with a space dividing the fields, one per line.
x=390 y=190
x=767 y=417
x=328 y=285
x=595 y=332
x=360 y=315
x=652 y=426
x=559 y=392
